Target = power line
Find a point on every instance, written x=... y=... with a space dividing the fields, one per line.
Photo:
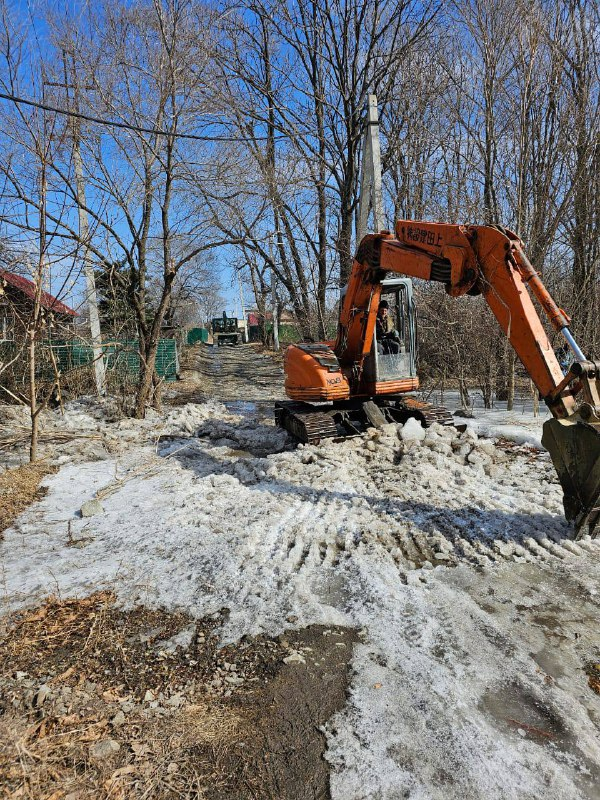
x=126 y=125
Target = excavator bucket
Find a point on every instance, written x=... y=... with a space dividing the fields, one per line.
x=574 y=446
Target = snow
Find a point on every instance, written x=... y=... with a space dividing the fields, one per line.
x=450 y=555
x=520 y=425
x=412 y=431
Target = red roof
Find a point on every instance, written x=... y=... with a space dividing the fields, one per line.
x=27 y=287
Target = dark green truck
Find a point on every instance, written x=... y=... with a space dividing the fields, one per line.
x=225 y=330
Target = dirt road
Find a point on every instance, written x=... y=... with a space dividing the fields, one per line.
x=232 y=375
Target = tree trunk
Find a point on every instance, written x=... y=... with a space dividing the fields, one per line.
x=510 y=398
x=33 y=440
x=147 y=365
x=463 y=393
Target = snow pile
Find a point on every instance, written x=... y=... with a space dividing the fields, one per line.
x=356 y=533
x=412 y=431
x=91 y=429
x=520 y=425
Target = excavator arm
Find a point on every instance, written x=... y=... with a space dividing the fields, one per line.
x=490 y=260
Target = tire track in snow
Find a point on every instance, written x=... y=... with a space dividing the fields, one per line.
x=306 y=538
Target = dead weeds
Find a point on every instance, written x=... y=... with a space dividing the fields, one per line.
x=99 y=702
x=19 y=487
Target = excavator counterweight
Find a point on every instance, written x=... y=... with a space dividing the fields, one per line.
x=365 y=377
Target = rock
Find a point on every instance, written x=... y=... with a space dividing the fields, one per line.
x=20 y=676
x=466 y=413
x=149 y=696
x=41 y=695
x=294 y=658
x=104 y=749
x=118 y=719
x=91 y=507
x=182 y=639
x=172 y=768
x=175 y=701
x=235 y=681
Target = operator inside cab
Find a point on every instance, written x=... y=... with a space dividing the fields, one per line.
x=388 y=339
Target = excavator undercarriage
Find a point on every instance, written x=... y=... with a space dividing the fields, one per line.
x=310 y=423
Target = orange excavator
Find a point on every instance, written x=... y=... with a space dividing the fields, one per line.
x=362 y=379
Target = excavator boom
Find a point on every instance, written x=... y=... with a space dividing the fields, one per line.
x=475 y=259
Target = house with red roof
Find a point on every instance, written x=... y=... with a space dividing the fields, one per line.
x=17 y=298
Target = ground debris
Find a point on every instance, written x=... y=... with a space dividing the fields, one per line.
x=592 y=670
x=89 y=703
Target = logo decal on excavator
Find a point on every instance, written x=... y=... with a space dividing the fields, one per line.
x=333 y=381
x=423 y=236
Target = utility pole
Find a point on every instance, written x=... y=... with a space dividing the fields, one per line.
x=371 y=192
x=275 y=320
x=243 y=306
x=84 y=235
x=274 y=296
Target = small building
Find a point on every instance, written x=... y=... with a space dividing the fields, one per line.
x=17 y=298
x=288 y=326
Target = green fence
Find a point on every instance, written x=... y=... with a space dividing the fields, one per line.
x=288 y=334
x=120 y=356
x=196 y=335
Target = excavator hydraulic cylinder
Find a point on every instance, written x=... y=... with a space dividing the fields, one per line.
x=575 y=349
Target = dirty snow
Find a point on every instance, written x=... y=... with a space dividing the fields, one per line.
x=520 y=425
x=448 y=553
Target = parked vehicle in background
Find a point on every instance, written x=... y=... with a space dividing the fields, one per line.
x=225 y=330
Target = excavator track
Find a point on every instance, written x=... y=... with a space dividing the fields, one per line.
x=304 y=422
x=428 y=412
x=309 y=424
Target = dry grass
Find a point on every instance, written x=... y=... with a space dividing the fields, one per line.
x=19 y=488
x=47 y=749
x=94 y=707
x=33 y=637
x=275 y=355
x=173 y=757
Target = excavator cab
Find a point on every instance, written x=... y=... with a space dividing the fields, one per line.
x=393 y=357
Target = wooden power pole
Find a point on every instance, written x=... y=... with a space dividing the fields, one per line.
x=84 y=236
